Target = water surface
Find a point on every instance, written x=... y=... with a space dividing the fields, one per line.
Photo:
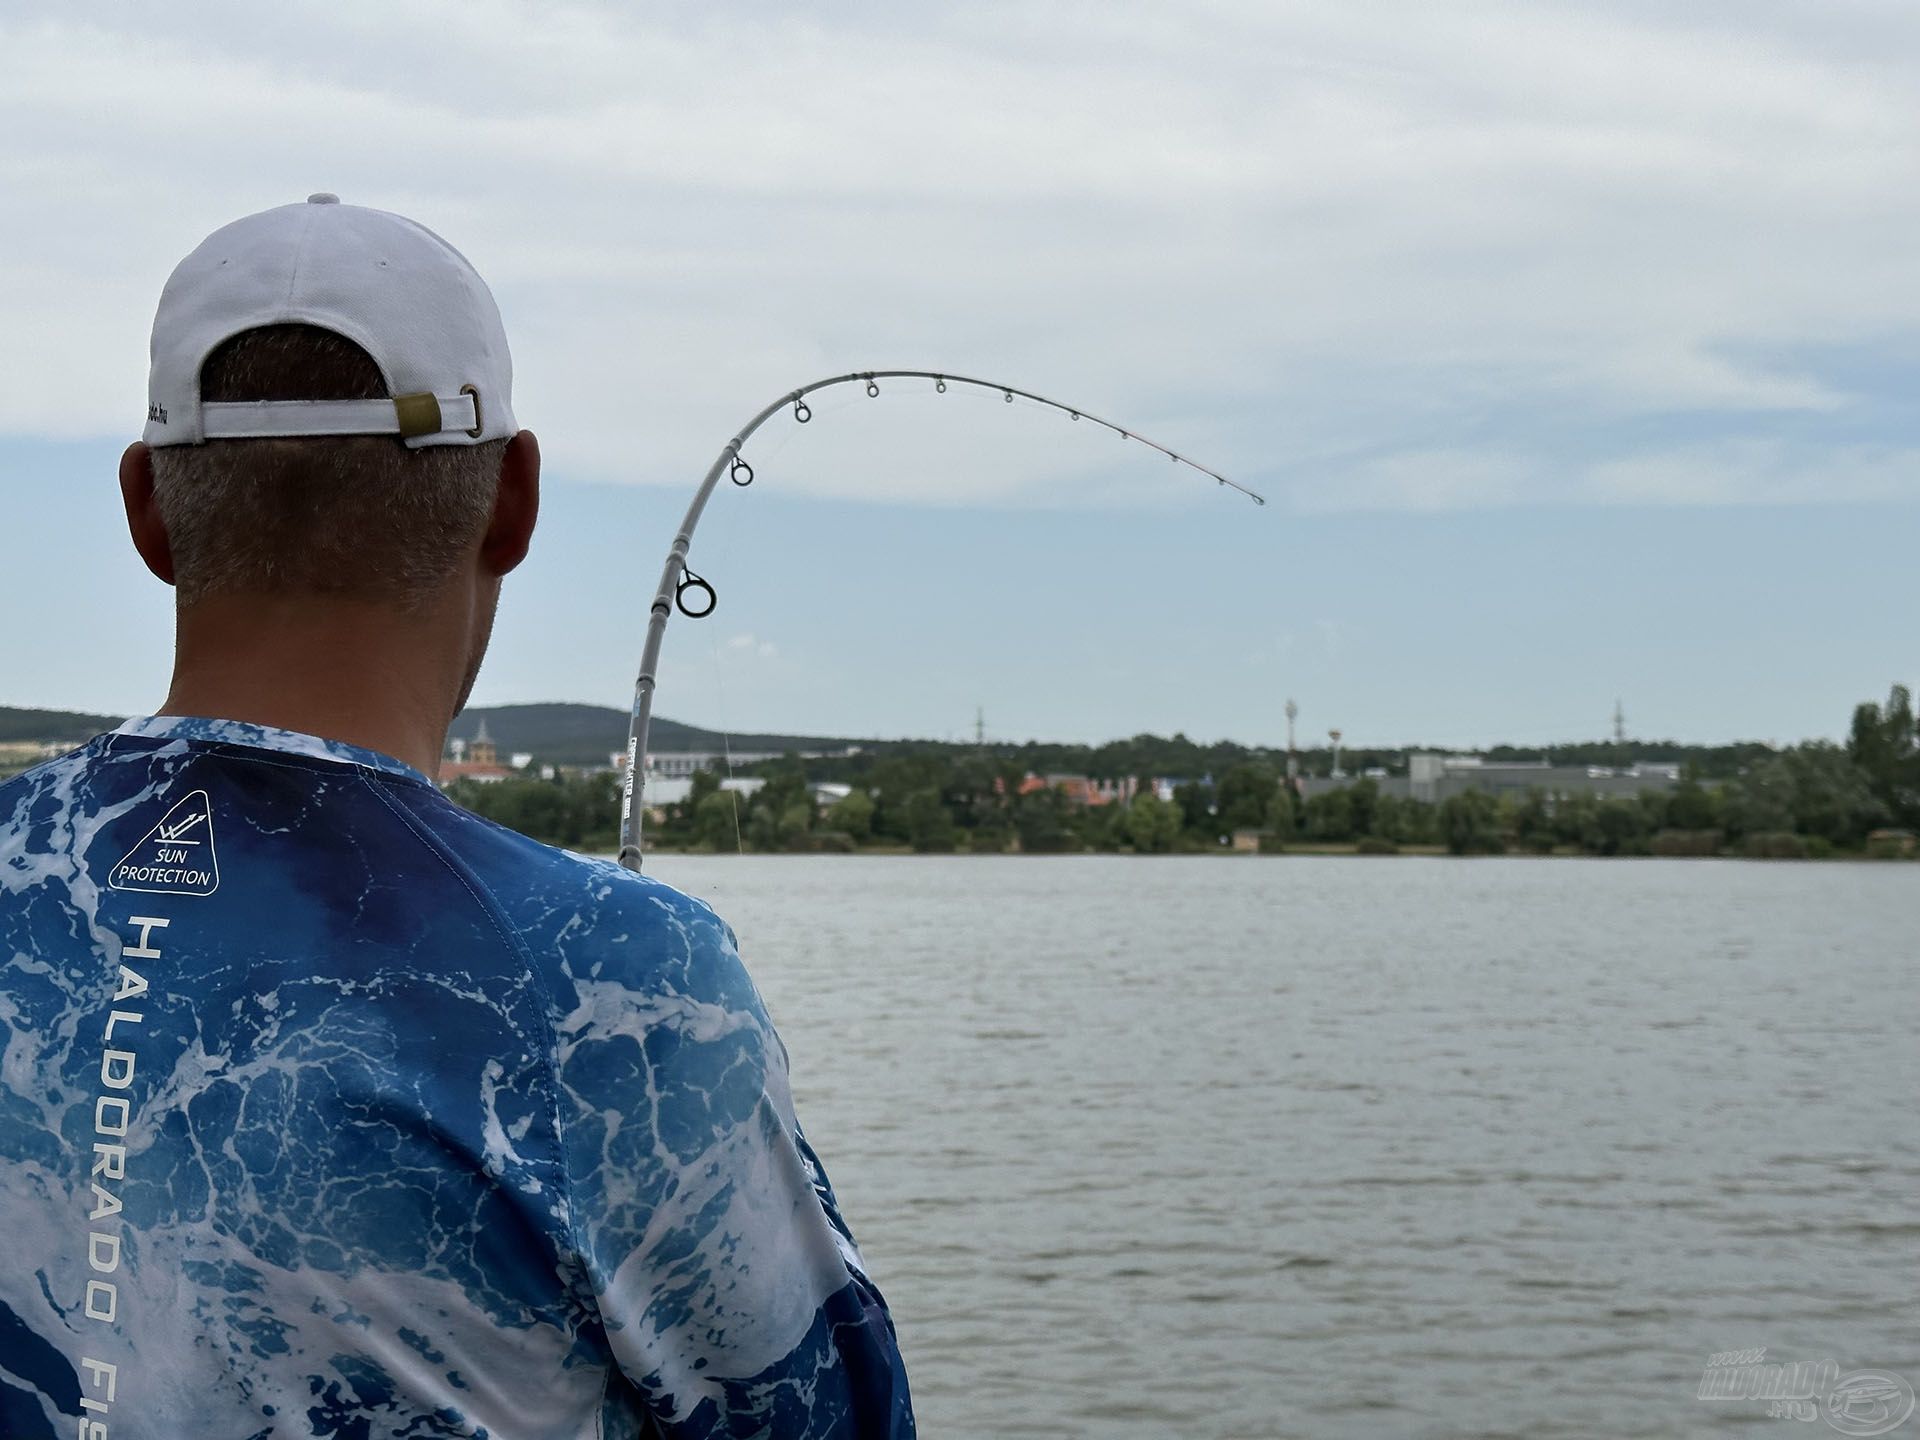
x=1310 y=1146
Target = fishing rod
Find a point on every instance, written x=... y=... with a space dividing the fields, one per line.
x=677 y=580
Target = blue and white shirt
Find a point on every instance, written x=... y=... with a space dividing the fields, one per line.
x=328 y=1108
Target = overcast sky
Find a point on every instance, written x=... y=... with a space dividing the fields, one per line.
x=1576 y=345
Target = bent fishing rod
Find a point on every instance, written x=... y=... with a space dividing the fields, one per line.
x=677 y=580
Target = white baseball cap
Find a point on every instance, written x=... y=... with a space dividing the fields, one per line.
x=390 y=285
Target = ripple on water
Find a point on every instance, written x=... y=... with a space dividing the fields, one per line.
x=1246 y=1149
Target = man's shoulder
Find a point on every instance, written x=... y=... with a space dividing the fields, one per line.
x=47 y=787
x=589 y=916
x=47 y=769
x=520 y=870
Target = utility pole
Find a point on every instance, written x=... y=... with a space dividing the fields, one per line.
x=980 y=727
x=1293 y=756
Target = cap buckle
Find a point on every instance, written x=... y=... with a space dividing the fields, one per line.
x=418 y=414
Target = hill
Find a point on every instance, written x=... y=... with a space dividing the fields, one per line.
x=563 y=734
x=53 y=726
x=586 y=735
x=568 y=734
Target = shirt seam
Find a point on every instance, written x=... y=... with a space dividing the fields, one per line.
x=261 y=755
x=490 y=907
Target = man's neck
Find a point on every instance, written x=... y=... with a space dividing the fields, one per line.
x=342 y=670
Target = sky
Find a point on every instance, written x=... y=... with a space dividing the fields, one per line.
x=1575 y=346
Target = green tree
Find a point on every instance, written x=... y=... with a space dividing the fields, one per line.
x=1101 y=827
x=1363 y=804
x=974 y=791
x=1816 y=789
x=1760 y=802
x=580 y=812
x=1043 y=821
x=1832 y=797
x=1404 y=821
x=1574 y=817
x=1330 y=814
x=1618 y=827
x=1691 y=806
x=1195 y=802
x=781 y=811
x=930 y=828
x=1281 y=821
x=894 y=782
x=786 y=787
x=1885 y=746
x=1530 y=820
x=853 y=816
x=774 y=829
x=682 y=817
x=1152 y=824
x=1470 y=824
x=717 y=823
x=1244 y=798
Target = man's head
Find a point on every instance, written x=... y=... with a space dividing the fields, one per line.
x=357 y=516
x=330 y=424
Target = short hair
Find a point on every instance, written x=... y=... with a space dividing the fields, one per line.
x=357 y=516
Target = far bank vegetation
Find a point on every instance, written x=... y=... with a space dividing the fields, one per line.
x=1816 y=800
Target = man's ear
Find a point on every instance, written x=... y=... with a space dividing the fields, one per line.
x=516 y=508
x=143 y=515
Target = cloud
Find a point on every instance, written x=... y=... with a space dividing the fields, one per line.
x=748 y=645
x=1759 y=472
x=1432 y=255
x=1736 y=471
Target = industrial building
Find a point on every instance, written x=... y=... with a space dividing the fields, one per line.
x=1434 y=777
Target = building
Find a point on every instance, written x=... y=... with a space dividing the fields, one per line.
x=478 y=759
x=683 y=764
x=1434 y=778
x=661 y=793
x=1088 y=789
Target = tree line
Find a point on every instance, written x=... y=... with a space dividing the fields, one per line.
x=1814 y=799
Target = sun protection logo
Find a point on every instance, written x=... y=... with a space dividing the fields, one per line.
x=175 y=857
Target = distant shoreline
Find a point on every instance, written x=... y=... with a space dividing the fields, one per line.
x=1342 y=851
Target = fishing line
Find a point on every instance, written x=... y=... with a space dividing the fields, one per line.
x=726 y=737
x=773 y=443
x=696 y=597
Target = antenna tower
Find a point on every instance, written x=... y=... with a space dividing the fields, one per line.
x=1293 y=757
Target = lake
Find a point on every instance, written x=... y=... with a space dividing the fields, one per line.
x=1316 y=1146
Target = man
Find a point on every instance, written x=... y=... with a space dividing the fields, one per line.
x=326 y=1107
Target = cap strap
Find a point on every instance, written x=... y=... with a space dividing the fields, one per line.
x=409 y=416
